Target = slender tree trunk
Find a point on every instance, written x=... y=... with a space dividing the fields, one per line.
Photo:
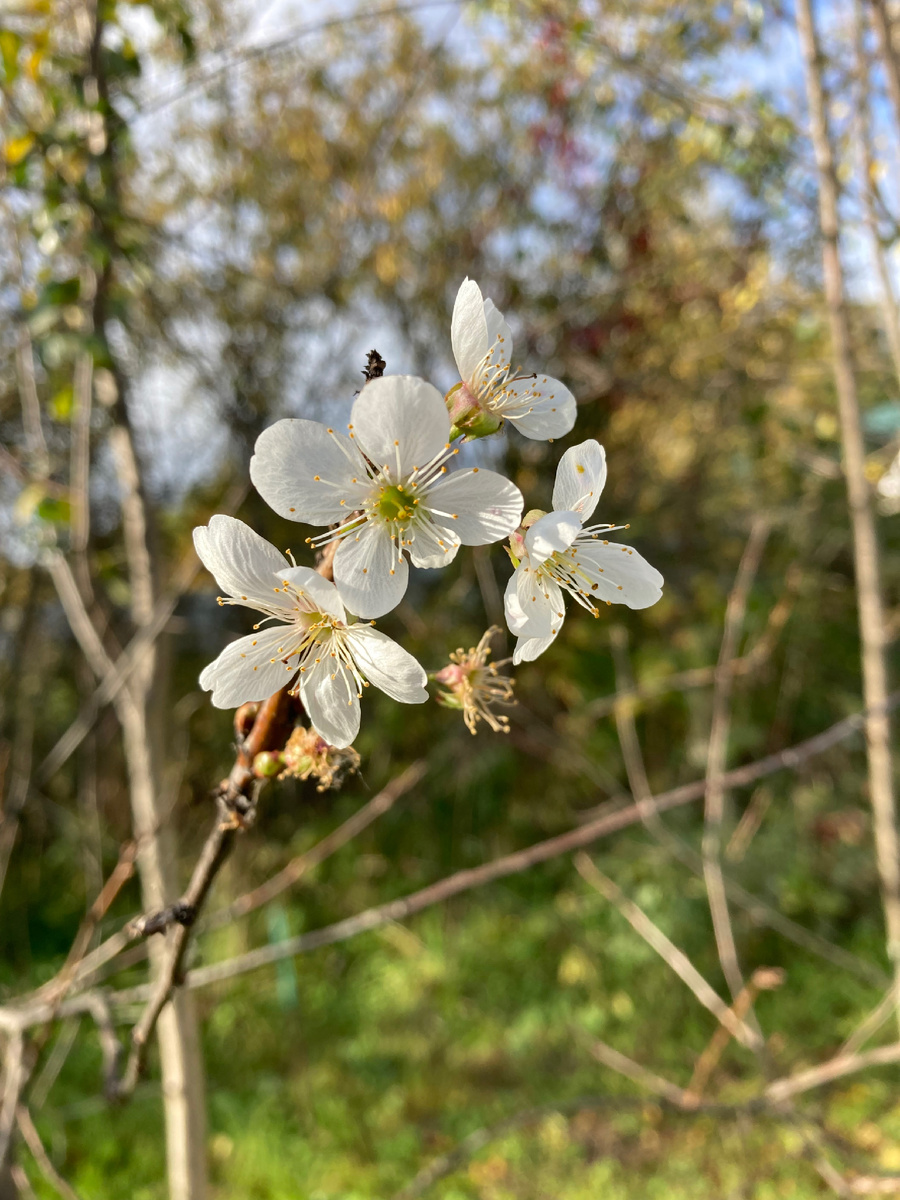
x=181 y=1062
x=862 y=516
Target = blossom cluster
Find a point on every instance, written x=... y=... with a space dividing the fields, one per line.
x=388 y=493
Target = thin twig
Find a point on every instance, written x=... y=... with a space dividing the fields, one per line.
x=330 y=844
x=29 y=1132
x=714 y=807
x=632 y=1070
x=674 y=958
x=870 y=1025
x=835 y=1068
x=764 y=978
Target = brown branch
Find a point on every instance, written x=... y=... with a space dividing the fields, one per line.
x=511 y=864
x=714 y=805
x=868 y=1027
x=764 y=978
x=862 y=518
x=29 y=1011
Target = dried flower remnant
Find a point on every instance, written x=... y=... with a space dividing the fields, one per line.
x=308 y=756
x=474 y=685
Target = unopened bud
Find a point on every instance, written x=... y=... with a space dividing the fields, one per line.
x=267 y=764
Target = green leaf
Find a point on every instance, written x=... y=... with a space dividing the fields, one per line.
x=54 y=510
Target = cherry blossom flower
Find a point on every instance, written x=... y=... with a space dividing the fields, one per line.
x=492 y=390
x=389 y=486
x=329 y=657
x=558 y=553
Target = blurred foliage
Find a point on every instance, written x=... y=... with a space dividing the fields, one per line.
x=224 y=236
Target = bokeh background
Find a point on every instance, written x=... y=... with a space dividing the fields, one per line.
x=211 y=212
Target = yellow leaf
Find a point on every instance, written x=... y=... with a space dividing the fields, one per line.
x=16 y=149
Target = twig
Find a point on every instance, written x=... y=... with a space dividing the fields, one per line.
x=835 y=1068
x=33 y=1141
x=865 y=540
x=132 y=657
x=870 y=1025
x=697 y=677
x=511 y=864
x=31 y=405
x=714 y=808
x=674 y=958
x=30 y=1010
x=764 y=978
x=331 y=843
x=632 y=1070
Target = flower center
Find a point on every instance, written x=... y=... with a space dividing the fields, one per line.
x=394 y=504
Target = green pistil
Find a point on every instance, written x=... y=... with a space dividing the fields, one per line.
x=394 y=504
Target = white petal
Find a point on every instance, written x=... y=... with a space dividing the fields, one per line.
x=244 y=670
x=552 y=533
x=304 y=472
x=499 y=335
x=618 y=573
x=528 y=649
x=432 y=545
x=541 y=408
x=479 y=506
x=387 y=665
x=241 y=561
x=533 y=604
x=370 y=574
x=328 y=692
x=321 y=593
x=400 y=422
x=468 y=329
x=580 y=477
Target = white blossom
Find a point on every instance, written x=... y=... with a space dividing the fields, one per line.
x=329 y=657
x=559 y=554
x=492 y=390
x=388 y=485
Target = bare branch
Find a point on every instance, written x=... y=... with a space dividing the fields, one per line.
x=865 y=540
x=632 y=1070
x=674 y=958
x=714 y=808
x=330 y=844
x=835 y=1068
x=33 y=1141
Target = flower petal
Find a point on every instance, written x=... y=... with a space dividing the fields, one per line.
x=551 y=534
x=499 y=335
x=580 y=477
x=245 y=671
x=241 y=561
x=533 y=604
x=370 y=574
x=468 y=329
x=541 y=407
x=387 y=665
x=320 y=592
x=328 y=692
x=528 y=649
x=304 y=472
x=432 y=545
x=400 y=422
x=618 y=573
x=478 y=506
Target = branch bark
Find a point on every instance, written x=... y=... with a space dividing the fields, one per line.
x=862 y=517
